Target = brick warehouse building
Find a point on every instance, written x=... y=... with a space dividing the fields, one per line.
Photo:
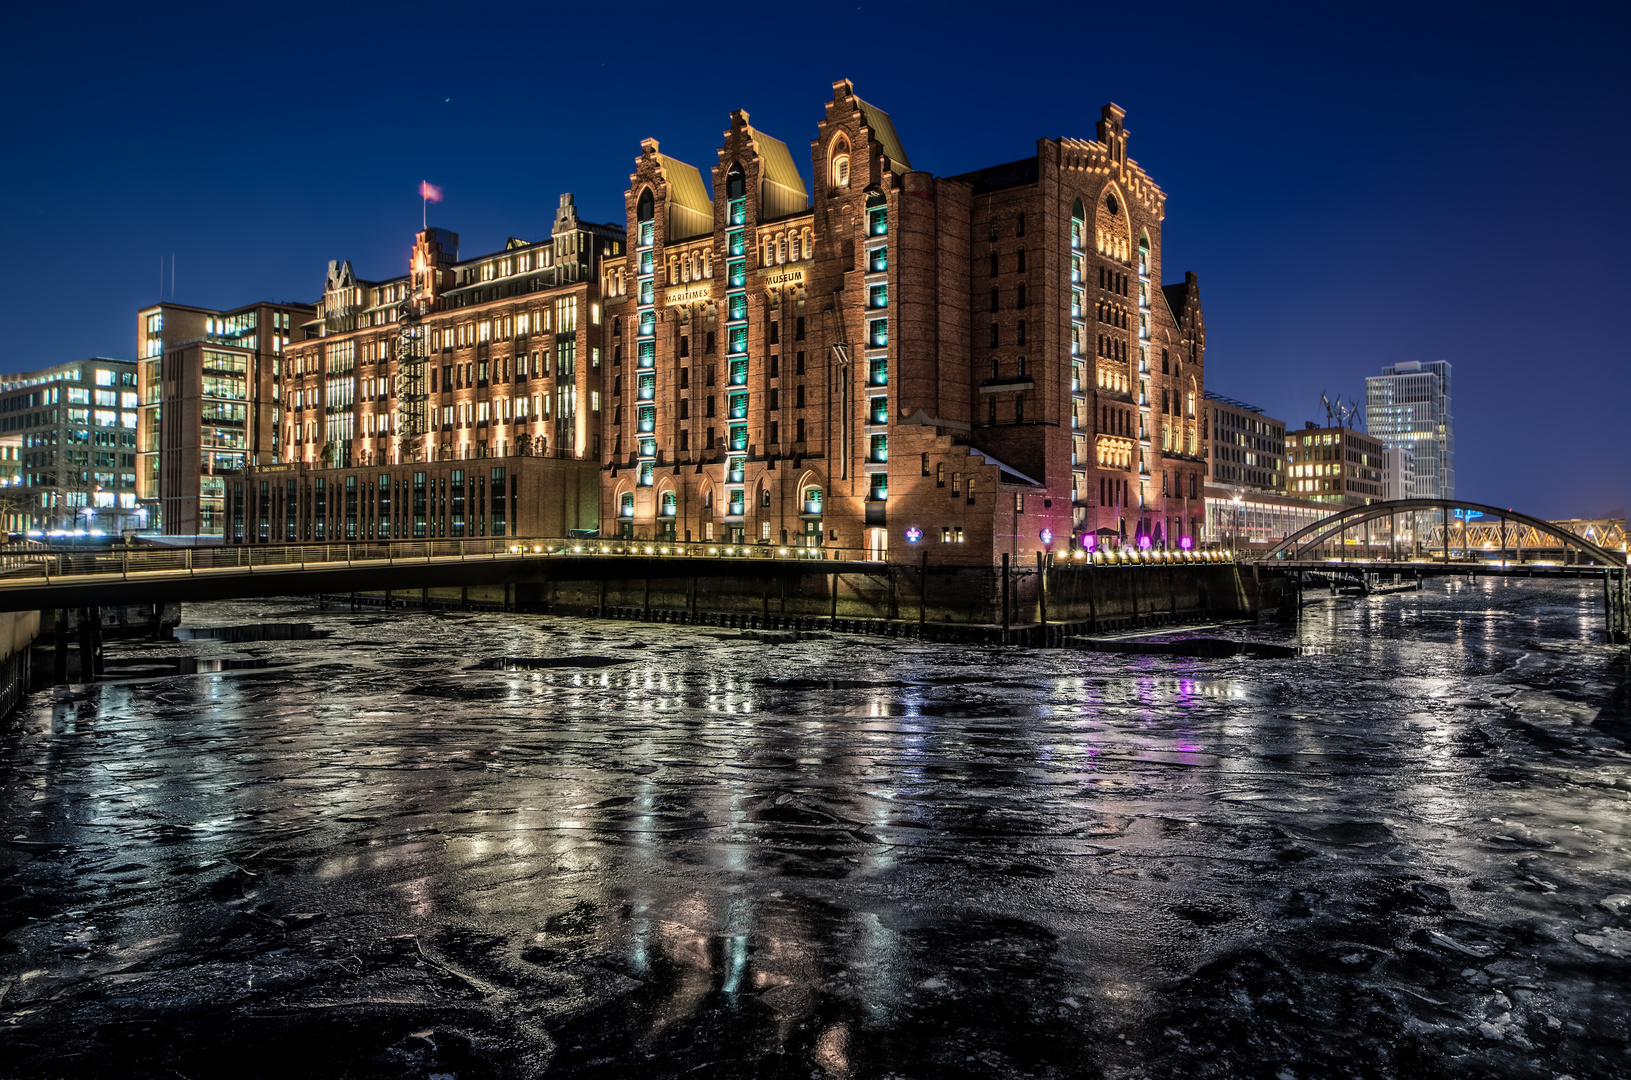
x=976 y=364
x=491 y=429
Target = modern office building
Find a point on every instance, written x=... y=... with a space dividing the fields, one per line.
x=68 y=440
x=460 y=399
x=1245 y=448
x=1407 y=407
x=885 y=359
x=1335 y=465
x=211 y=396
x=1398 y=474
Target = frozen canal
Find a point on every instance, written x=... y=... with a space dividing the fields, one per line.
x=633 y=850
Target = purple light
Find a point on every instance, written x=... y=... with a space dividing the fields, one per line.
x=1047 y=536
x=1089 y=541
x=1144 y=542
x=914 y=534
x=1186 y=543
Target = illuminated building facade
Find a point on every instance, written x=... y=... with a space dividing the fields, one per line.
x=889 y=360
x=210 y=394
x=459 y=400
x=68 y=448
x=1407 y=407
x=1245 y=448
x=1336 y=465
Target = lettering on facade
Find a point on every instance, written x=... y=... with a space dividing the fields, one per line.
x=675 y=297
x=785 y=277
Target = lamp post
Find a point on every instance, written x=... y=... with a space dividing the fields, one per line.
x=1240 y=520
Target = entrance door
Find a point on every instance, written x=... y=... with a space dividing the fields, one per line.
x=877 y=544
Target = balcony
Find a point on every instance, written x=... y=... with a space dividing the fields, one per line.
x=812 y=508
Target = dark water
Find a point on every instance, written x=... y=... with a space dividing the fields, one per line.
x=485 y=845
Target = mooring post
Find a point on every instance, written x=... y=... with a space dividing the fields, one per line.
x=833 y=595
x=59 y=658
x=647 y=606
x=1042 y=593
x=1092 y=600
x=1005 y=598
x=96 y=641
x=922 y=591
x=87 y=646
x=691 y=600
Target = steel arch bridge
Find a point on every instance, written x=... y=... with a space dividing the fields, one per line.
x=1508 y=531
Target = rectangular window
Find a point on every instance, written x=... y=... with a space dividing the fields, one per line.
x=879 y=450
x=737 y=406
x=878 y=296
x=737 y=341
x=738 y=437
x=878 y=372
x=738 y=374
x=877 y=335
x=877 y=260
x=737 y=307
x=647 y=389
x=877 y=220
x=878 y=487
x=648 y=355
x=878 y=410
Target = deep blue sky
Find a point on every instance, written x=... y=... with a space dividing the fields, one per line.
x=1355 y=184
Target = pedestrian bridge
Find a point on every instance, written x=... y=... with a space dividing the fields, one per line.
x=1437 y=536
x=41 y=579
x=1446 y=532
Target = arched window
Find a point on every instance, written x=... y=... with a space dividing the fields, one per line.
x=735 y=183
x=647 y=209
x=838 y=165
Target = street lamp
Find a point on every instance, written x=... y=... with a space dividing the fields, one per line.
x=1240 y=520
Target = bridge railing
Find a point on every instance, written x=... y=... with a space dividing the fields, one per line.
x=29 y=566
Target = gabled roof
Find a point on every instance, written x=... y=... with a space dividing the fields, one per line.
x=783 y=188
x=883 y=129
x=690 y=206
x=1004 y=471
x=1177 y=298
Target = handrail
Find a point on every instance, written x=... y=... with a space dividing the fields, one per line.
x=129 y=563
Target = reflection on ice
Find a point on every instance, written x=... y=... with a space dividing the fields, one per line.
x=610 y=849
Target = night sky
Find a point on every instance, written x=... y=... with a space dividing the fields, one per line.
x=1355 y=184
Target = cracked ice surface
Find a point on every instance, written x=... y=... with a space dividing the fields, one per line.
x=505 y=845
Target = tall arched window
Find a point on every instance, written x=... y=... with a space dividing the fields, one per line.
x=735 y=183
x=838 y=164
x=647 y=209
